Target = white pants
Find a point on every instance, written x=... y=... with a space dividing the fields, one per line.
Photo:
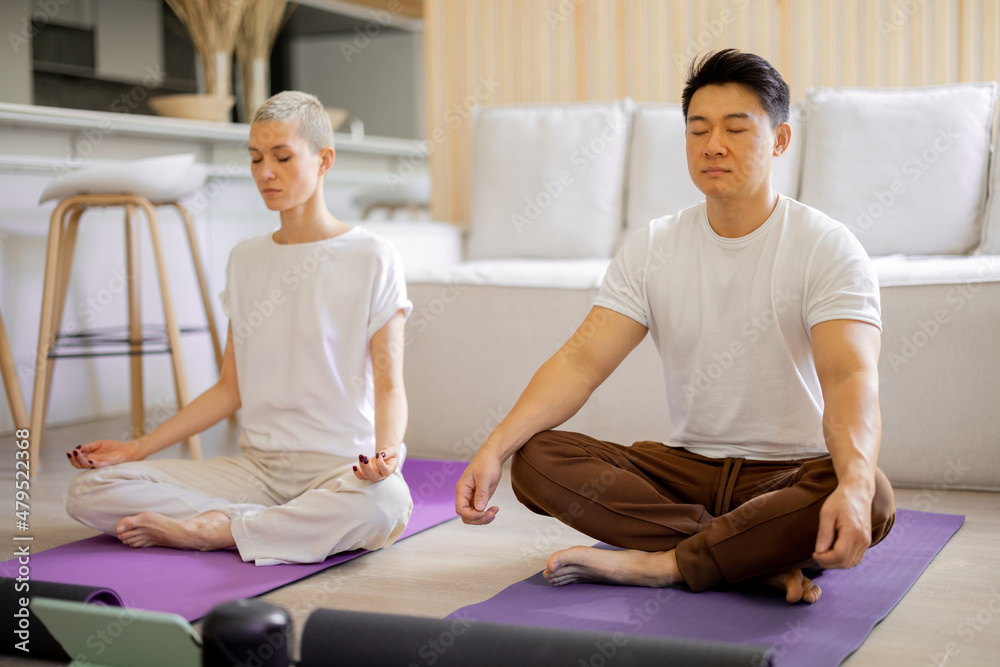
x=286 y=507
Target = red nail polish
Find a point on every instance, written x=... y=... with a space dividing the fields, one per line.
x=69 y=456
x=355 y=468
x=364 y=459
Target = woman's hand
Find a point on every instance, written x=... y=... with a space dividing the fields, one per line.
x=383 y=464
x=102 y=453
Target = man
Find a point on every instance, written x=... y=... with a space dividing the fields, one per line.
x=772 y=463
x=311 y=303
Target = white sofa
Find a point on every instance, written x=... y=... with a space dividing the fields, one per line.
x=556 y=188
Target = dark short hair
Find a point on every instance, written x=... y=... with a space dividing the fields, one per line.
x=746 y=69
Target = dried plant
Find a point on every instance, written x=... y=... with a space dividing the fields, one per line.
x=262 y=22
x=214 y=26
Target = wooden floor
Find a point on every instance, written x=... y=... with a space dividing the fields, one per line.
x=950 y=617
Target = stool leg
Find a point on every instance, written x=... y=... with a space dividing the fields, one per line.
x=199 y=270
x=132 y=251
x=45 y=337
x=13 y=388
x=206 y=298
x=173 y=333
x=67 y=247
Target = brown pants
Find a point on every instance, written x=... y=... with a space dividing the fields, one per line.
x=729 y=519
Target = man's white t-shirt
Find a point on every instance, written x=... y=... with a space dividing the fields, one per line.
x=732 y=321
x=302 y=316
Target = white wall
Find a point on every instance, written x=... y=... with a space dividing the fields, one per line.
x=377 y=79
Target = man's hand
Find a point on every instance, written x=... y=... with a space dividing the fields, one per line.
x=103 y=453
x=378 y=468
x=476 y=487
x=845 y=528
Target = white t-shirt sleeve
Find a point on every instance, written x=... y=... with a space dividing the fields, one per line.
x=624 y=287
x=224 y=294
x=842 y=284
x=388 y=290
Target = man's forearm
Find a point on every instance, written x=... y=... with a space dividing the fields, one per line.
x=852 y=427
x=556 y=392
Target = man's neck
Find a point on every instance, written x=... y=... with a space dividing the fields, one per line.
x=732 y=218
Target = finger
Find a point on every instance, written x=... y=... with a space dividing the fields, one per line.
x=464 y=490
x=89 y=447
x=474 y=517
x=382 y=465
x=482 y=498
x=826 y=534
x=82 y=461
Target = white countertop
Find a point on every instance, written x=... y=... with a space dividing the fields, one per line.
x=24 y=115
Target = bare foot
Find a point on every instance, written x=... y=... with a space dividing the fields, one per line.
x=628 y=568
x=796 y=586
x=206 y=532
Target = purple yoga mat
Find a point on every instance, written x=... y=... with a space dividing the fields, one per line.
x=190 y=583
x=825 y=633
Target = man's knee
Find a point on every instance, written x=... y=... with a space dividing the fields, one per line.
x=883 y=508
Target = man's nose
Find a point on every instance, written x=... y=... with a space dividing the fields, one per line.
x=715 y=144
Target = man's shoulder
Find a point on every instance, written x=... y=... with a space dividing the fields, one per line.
x=809 y=218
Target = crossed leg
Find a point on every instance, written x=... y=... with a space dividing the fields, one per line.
x=655 y=502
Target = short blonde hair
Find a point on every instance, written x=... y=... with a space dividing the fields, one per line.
x=293 y=106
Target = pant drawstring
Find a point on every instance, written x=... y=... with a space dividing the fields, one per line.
x=727 y=483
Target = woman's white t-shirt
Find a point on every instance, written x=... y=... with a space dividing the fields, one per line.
x=302 y=317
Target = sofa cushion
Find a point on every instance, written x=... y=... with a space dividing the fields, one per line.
x=420 y=243
x=900 y=270
x=573 y=274
x=658 y=179
x=990 y=242
x=924 y=192
x=547 y=181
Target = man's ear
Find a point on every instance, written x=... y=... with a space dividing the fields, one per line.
x=782 y=138
x=326 y=159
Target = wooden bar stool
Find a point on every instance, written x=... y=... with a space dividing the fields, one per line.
x=13 y=390
x=139 y=185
